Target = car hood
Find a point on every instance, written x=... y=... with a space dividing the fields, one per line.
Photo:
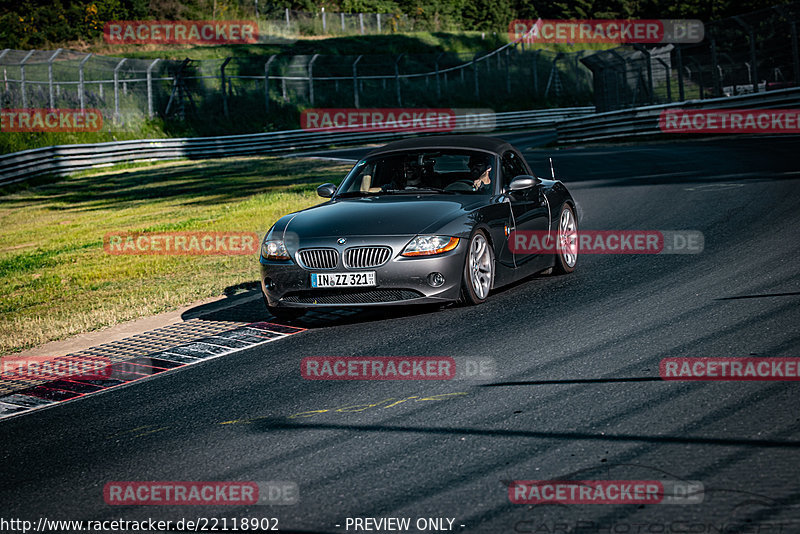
x=382 y=215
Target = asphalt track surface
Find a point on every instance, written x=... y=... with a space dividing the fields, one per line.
x=577 y=394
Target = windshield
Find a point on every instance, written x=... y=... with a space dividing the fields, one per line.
x=436 y=171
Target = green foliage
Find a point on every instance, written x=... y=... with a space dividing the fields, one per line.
x=48 y=23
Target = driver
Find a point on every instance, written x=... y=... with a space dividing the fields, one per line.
x=479 y=168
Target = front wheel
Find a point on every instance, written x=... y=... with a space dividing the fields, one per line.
x=567 y=241
x=478 y=270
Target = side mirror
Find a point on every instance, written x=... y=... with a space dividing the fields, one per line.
x=326 y=190
x=523 y=181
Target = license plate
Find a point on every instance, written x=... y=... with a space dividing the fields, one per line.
x=365 y=279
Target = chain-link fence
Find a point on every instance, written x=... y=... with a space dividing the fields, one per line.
x=254 y=88
x=323 y=22
x=751 y=53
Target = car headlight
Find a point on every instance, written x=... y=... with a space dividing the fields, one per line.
x=274 y=249
x=429 y=245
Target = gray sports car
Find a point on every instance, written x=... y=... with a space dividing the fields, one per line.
x=418 y=221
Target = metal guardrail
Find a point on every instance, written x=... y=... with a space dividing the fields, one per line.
x=64 y=159
x=643 y=121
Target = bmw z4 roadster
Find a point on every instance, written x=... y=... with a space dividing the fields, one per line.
x=418 y=221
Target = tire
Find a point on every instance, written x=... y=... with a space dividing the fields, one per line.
x=283 y=314
x=567 y=241
x=478 y=275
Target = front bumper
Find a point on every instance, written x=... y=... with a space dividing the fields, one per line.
x=402 y=280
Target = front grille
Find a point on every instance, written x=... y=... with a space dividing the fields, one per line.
x=318 y=258
x=365 y=257
x=352 y=296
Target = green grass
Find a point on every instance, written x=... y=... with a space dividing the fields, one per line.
x=57 y=279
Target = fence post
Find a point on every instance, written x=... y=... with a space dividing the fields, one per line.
x=80 y=80
x=5 y=75
x=324 y=25
x=22 y=78
x=649 y=64
x=795 y=55
x=536 y=72
x=266 y=82
x=667 y=70
x=715 y=67
x=379 y=22
x=752 y=39
x=699 y=78
x=508 y=73
x=475 y=76
x=397 y=78
x=288 y=26
x=438 y=81
x=116 y=89
x=341 y=16
x=361 y=22
x=50 y=77
x=222 y=83
x=355 y=81
x=679 y=59
x=311 y=78
x=150 y=87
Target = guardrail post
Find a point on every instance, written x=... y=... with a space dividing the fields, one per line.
x=150 y=87
x=679 y=59
x=222 y=82
x=116 y=89
x=438 y=81
x=22 y=78
x=266 y=82
x=397 y=78
x=355 y=82
x=81 y=89
x=475 y=76
x=311 y=78
x=50 y=77
x=753 y=61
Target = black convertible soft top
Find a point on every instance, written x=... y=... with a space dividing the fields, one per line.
x=476 y=142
